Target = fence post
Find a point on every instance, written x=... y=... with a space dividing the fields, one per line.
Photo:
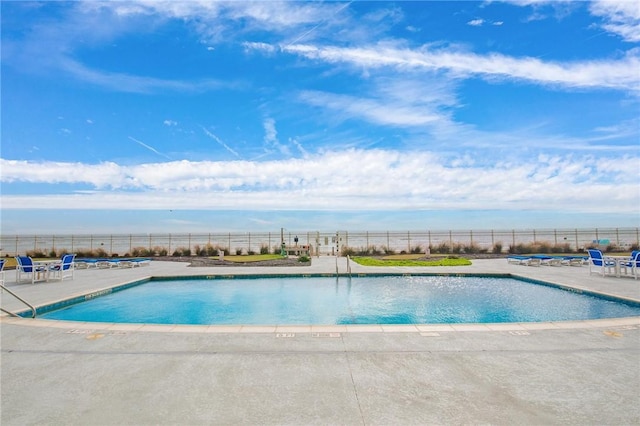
x=513 y=238
x=408 y=242
x=17 y=238
x=110 y=245
x=576 y=239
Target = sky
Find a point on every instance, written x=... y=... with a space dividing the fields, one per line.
x=152 y=116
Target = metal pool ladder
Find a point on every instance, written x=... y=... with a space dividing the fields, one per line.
x=33 y=309
x=348 y=267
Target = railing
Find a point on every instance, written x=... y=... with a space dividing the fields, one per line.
x=33 y=309
x=320 y=243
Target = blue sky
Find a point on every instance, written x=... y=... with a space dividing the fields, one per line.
x=182 y=116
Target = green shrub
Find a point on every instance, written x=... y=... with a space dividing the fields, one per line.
x=36 y=253
x=181 y=251
x=160 y=251
x=347 y=251
x=135 y=252
x=388 y=251
x=264 y=249
x=471 y=248
x=304 y=258
x=442 y=248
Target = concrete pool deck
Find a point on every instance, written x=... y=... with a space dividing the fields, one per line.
x=580 y=372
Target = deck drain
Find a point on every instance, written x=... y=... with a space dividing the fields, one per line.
x=285 y=335
x=519 y=333
x=325 y=334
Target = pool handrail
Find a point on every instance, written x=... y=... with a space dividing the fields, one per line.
x=33 y=309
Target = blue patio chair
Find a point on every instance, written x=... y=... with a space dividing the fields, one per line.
x=599 y=265
x=63 y=269
x=633 y=264
x=2 y=263
x=26 y=267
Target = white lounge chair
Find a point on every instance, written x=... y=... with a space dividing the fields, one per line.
x=599 y=264
x=63 y=269
x=26 y=267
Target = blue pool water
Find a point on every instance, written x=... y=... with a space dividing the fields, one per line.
x=358 y=300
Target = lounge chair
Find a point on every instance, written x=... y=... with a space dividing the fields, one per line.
x=574 y=260
x=548 y=260
x=104 y=263
x=525 y=260
x=599 y=264
x=126 y=263
x=26 y=267
x=633 y=264
x=63 y=269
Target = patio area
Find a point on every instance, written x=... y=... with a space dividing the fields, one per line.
x=583 y=372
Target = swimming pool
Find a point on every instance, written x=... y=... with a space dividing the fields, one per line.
x=330 y=300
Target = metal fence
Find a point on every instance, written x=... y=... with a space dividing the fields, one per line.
x=323 y=243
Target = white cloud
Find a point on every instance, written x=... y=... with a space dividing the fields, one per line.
x=399 y=114
x=476 y=22
x=618 y=74
x=622 y=17
x=170 y=123
x=271 y=137
x=264 y=47
x=350 y=179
